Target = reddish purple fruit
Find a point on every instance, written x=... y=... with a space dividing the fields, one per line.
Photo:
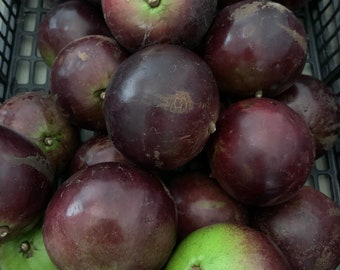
x=66 y=22
x=256 y=47
x=161 y=106
x=96 y=149
x=110 y=216
x=137 y=24
x=262 y=151
x=201 y=201
x=80 y=75
x=26 y=182
x=315 y=102
x=306 y=228
x=39 y=117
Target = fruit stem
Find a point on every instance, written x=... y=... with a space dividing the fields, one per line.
x=153 y=3
x=48 y=141
x=102 y=95
x=258 y=94
x=4 y=231
x=211 y=128
x=26 y=249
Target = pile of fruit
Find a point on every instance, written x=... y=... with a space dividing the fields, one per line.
x=203 y=132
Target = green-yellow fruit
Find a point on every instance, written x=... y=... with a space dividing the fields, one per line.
x=227 y=246
x=25 y=252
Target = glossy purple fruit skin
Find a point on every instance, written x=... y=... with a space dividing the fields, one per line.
x=255 y=46
x=306 y=228
x=96 y=149
x=135 y=25
x=81 y=73
x=37 y=116
x=262 y=151
x=109 y=216
x=26 y=183
x=66 y=22
x=200 y=201
x=315 y=102
x=161 y=106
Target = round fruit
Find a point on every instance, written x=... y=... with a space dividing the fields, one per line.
x=39 y=117
x=161 y=106
x=96 y=149
x=200 y=201
x=315 y=102
x=138 y=24
x=67 y=22
x=26 y=251
x=110 y=216
x=227 y=246
x=80 y=75
x=256 y=47
x=262 y=151
x=26 y=183
x=306 y=228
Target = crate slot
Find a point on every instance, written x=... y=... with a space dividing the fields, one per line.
x=40 y=73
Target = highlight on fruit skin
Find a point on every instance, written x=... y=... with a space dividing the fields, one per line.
x=110 y=216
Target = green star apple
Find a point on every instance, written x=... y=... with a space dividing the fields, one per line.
x=226 y=246
x=26 y=252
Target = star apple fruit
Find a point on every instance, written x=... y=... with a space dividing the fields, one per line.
x=79 y=77
x=306 y=229
x=255 y=48
x=26 y=184
x=65 y=22
x=39 y=117
x=110 y=216
x=98 y=148
x=137 y=24
x=161 y=106
x=317 y=103
x=229 y=246
x=262 y=152
x=26 y=251
x=200 y=201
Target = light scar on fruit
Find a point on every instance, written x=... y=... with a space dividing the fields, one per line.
x=178 y=103
x=83 y=55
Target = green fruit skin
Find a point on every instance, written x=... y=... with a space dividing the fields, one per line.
x=36 y=259
x=226 y=246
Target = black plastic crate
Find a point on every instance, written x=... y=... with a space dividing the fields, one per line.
x=22 y=68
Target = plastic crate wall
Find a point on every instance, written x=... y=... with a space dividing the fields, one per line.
x=22 y=68
x=27 y=69
x=322 y=23
x=8 y=24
